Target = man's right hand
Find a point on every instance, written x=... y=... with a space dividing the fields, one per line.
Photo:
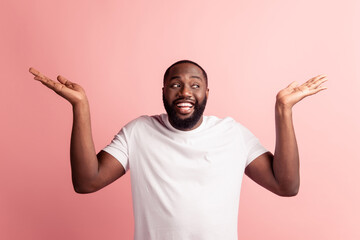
x=90 y=172
x=72 y=92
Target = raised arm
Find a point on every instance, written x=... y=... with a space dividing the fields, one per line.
x=279 y=173
x=90 y=172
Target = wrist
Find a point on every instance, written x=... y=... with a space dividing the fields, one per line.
x=282 y=108
x=80 y=104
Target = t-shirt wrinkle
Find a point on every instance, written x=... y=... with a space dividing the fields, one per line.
x=185 y=184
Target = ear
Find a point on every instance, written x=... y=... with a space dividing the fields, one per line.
x=207 y=93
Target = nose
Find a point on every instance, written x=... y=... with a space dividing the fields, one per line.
x=185 y=91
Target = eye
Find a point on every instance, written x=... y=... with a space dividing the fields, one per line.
x=175 y=85
x=195 y=86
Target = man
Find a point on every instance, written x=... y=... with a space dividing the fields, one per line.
x=186 y=168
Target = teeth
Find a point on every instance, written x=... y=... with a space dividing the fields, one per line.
x=184 y=105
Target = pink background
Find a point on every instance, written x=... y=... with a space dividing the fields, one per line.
x=119 y=50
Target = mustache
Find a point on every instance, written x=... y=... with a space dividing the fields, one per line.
x=190 y=99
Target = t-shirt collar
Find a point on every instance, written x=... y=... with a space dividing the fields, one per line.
x=165 y=118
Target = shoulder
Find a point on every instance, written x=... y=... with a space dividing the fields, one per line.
x=227 y=122
x=144 y=121
x=227 y=125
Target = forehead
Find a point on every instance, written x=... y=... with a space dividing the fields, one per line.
x=185 y=69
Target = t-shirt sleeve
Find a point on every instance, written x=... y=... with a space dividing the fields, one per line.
x=118 y=148
x=253 y=146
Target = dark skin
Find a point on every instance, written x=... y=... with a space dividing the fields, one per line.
x=90 y=171
x=186 y=85
x=278 y=173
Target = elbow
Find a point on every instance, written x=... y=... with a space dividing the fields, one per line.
x=289 y=191
x=83 y=189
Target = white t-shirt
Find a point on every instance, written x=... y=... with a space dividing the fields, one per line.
x=185 y=184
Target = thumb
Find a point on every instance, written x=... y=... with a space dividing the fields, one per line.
x=63 y=80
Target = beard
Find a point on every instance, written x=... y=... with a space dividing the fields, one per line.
x=187 y=123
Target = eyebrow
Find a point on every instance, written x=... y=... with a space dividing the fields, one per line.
x=177 y=77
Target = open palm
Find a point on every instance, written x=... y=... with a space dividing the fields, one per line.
x=294 y=93
x=72 y=92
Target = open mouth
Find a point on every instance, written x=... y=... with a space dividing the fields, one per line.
x=184 y=107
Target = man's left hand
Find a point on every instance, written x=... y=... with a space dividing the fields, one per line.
x=294 y=93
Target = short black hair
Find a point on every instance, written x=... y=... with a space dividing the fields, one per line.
x=185 y=61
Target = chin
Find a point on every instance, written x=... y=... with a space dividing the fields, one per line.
x=184 y=122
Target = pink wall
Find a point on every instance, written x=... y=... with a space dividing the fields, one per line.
x=118 y=51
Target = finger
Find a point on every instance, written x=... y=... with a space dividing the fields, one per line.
x=60 y=87
x=293 y=84
x=316 y=82
x=314 y=91
x=318 y=77
x=66 y=82
x=50 y=83
x=62 y=80
x=39 y=76
x=46 y=81
x=42 y=78
x=34 y=71
x=319 y=82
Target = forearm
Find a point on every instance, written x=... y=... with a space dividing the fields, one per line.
x=286 y=156
x=280 y=173
x=84 y=163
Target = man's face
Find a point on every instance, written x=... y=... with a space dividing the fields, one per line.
x=184 y=95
